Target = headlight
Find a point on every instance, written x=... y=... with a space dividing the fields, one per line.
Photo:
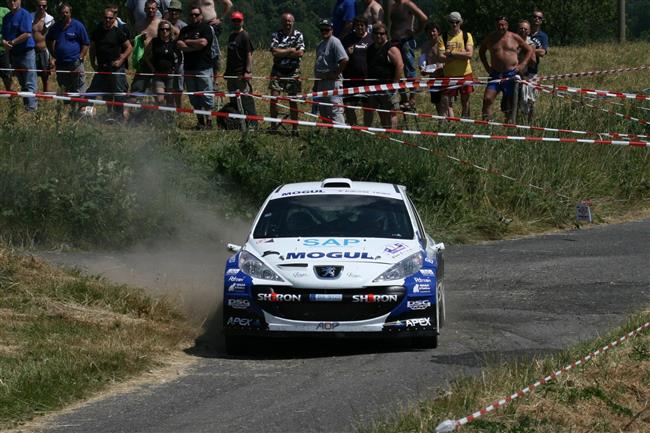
x=254 y=267
x=403 y=269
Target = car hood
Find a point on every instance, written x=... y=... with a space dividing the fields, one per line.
x=362 y=259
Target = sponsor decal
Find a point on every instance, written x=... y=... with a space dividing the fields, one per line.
x=395 y=248
x=422 y=280
x=237 y=287
x=395 y=324
x=418 y=305
x=423 y=321
x=430 y=261
x=264 y=241
x=299 y=274
x=427 y=272
x=278 y=297
x=327 y=326
x=232 y=259
x=245 y=322
x=331 y=255
x=353 y=275
x=233 y=279
x=232 y=271
x=325 y=297
x=422 y=288
x=239 y=304
x=313 y=191
x=330 y=242
x=374 y=298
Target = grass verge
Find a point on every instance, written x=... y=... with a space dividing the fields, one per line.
x=64 y=337
x=609 y=394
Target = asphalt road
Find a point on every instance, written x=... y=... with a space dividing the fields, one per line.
x=505 y=299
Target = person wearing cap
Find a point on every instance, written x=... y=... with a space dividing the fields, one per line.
x=331 y=60
x=239 y=63
x=195 y=41
x=18 y=42
x=504 y=65
x=175 y=10
x=458 y=50
x=287 y=48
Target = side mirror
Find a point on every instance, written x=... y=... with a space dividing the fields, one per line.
x=439 y=247
x=233 y=248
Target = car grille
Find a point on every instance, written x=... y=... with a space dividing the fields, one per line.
x=328 y=304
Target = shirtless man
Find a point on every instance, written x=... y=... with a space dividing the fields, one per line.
x=403 y=15
x=374 y=13
x=504 y=47
x=210 y=16
x=41 y=23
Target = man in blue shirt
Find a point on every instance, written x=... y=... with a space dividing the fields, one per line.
x=68 y=43
x=539 y=38
x=18 y=42
x=345 y=11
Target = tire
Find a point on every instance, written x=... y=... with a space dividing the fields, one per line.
x=441 y=307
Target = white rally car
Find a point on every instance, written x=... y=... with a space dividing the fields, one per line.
x=336 y=257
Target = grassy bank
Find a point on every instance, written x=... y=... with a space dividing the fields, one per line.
x=609 y=394
x=64 y=337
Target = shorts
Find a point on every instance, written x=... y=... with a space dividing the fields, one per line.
x=358 y=99
x=506 y=86
x=385 y=101
x=140 y=83
x=43 y=61
x=407 y=47
x=464 y=90
x=288 y=83
x=71 y=77
x=5 y=64
x=167 y=83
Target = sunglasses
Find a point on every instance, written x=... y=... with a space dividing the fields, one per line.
x=537 y=17
x=195 y=15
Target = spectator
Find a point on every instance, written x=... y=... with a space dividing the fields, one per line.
x=431 y=63
x=68 y=42
x=374 y=13
x=18 y=42
x=195 y=42
x=527 y=94
x=331 y=60
x=239 y=64
x=210 y=16
x=356 y=45
x=41 y=23
x=139 y=16
x=539 y=38
x=5 y=64
x=118 y=21
x=504 y=65
x=386 y=66
x=163 y=57
x=342 y=16
x=109 y=49
x=142 y=79
x=287 y=48
x=403 y=16
x=459 y=49
x=175 y=11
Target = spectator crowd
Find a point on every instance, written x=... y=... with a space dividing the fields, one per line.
x=173 y=46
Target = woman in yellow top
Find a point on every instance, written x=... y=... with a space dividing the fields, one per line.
x=459 y=49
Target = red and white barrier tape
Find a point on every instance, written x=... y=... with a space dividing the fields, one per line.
x=258 y=118
x=593 y=92
x=451 y=425
x=592 y=73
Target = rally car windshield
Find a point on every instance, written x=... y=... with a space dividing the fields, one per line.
x=334 y=215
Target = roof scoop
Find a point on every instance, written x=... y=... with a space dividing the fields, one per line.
x=336 y=182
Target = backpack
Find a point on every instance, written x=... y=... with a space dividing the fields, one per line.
x=445 y=38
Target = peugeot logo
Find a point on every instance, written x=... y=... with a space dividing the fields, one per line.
x=328 y=271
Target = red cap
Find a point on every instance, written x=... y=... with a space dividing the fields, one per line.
x=237 y=16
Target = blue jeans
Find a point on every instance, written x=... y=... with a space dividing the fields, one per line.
x=200 y=81
x=27 y=80
x=408 y=47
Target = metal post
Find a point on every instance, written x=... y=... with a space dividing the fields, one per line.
x=621 y=21
x=514 y=103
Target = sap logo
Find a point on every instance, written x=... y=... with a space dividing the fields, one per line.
x=427 y=272
x=327 y=326
x=325 y=297
x=422 y=288
x=234 y=279
x=278 y=297
x=237 y=287
x=232 y=271
x=313 y=191
x=424 y=321
x=240 y=321
x=330 y=242
x=333 y=255
x=422 y=280
x=239 y=304
x=418 y=305
x=374 y=298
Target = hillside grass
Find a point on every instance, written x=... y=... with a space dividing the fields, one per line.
x=64 y=336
